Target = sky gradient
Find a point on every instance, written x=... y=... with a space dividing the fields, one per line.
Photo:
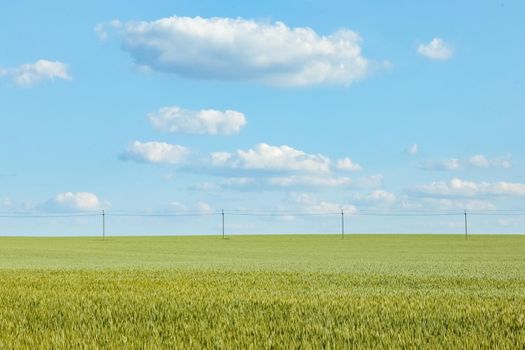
x=314 y=106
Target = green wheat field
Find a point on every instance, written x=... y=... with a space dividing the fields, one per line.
x=269 y=292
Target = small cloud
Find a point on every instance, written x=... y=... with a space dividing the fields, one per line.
x=437 y=49
x=441 y=165
x=348 y=165
x=412 y=149
x=10 y=204
x=155 y=152
x=178 y=206
x=201 y=207
x=308 y=202
x=102 y=29
x=430 y=203
x=204 y=207
x=6 y=203
x=378 y=197
x=75 y=201
x=460 y=188
x=504 y=162
x=207 y=121
x=481 y=161
x=30 y=74
x=101 y=32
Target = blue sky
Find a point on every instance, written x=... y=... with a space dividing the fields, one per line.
x=279 y=105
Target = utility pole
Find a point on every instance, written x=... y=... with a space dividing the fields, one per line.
x=466 y=224
x=222 y=214
x=103 y=225
x=342 y=224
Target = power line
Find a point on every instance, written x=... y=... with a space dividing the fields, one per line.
x=44 y=216
x=269 y=213
x=351 y=214
x=162 y=215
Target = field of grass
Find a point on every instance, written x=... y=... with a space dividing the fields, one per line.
x=290 y=291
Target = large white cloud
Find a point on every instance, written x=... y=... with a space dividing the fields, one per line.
x=155 y=152
x=75 y=201
x=33 y=73
x=208 y=121
x=272 y=158
x=239 y=49
x=437 y=49
x=460 y=188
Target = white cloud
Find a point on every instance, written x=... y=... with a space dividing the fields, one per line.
x=75 y=201
x=348 y=165
x=261 y=167
x=481 y=161
x=101 y=32
x=272 y=158
x=477 y=161
x=437 y=49
x=33 y=73
x=459 y=188
x=10 y=204
x=412 y=149
x=155 y=152
x=101 y=29
x=204 y=207
x=178 y=206
x=504 y=162
x=208 y=121
x=380 y=197
x=6 y=203
x=239 y=49
x=201 y=207
x=441 y=165
x=310 y=203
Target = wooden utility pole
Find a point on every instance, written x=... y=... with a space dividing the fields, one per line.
x=103 y=225
x=466 y=224
x=222 y=214
x=342 y=224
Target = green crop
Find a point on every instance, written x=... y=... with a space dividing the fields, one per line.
x=305 y=292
